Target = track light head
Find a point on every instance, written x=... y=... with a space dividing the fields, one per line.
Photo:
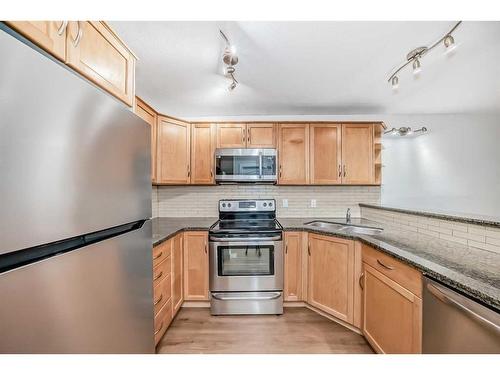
x=417 y=67
x=395 y=82
x=229 y=70
x=232 y=86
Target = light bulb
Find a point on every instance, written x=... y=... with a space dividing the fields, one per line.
x=449 y=43
x=417 y=68
x=395 y=82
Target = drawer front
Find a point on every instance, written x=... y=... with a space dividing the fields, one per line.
x=405 y=275
x=162 y=320
x=161 y=252
x=162 y=293
x=161 y=271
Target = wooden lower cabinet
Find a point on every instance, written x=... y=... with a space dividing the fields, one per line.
x=196 y=266
x=293 y=266
x=177 y=273
x=331 y=276
x=162 y=288
x=162 y=321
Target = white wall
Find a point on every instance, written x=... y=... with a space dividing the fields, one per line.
x=454 y=167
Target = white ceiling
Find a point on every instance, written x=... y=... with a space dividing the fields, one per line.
x=313 y=68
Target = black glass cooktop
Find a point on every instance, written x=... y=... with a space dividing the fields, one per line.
x=246 y=226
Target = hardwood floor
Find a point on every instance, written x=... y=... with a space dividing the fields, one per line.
x=298 y=330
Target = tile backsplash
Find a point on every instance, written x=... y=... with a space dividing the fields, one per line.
x=196 y=201
x=470 y=235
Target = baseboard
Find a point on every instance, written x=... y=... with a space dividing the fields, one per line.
x=203 y=304
x=294 y=304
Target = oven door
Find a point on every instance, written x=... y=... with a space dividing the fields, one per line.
x=241 y=266
x=245 y=165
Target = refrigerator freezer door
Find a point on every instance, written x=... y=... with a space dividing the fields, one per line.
x=96 y=299
x=73 y=159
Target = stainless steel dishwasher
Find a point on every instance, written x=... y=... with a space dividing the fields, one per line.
x=453 y=323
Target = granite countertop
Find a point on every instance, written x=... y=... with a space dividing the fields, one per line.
x=474 y=272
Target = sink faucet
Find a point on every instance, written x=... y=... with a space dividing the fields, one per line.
x=348 y=215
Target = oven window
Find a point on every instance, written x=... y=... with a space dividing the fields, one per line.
x=245 y=260
x=237 y=165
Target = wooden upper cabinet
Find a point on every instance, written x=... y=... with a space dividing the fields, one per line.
x=48 y=35
x=293 y=266
x=231 y=136
x=357 y=154
x=149 y=115
x=325 y=153
x=202 y=153
x=177 y=272
x=261 y=135
x=95 y=51
x=331 y=275
x=196 y=266
x=392 y=317
x=293 y=157
x=173 y=160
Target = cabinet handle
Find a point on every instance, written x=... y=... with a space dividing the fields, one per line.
x=248 y=135
x=360 y=281
x=340 y=170
x=158 y=300
x=280 y=170
x=189 y=171
x=385 y=265
x=206 y=250
x=345 y=171
x=309 y=249
x=158 y=256
x=159 y=275
x=62 y=28
x=244 y=136
x=211 y=172
x=286 y=247
x=159 y=329
x=79 y=35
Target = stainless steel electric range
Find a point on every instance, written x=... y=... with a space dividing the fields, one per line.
x=246 y=259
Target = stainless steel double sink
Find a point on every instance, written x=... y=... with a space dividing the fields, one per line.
x=343 y=227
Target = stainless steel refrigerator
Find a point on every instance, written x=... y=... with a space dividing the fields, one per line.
x=75 y=209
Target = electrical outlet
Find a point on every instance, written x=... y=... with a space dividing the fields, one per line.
x=313 y=203
x=284 y=203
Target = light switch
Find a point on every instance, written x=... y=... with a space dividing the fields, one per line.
x=284 y=203
x=313 y=203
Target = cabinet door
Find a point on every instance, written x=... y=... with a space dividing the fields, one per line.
x=293 y=154
x=196 y=266
x=202 y=154
x=177 y=273
x=331 y=275
x=261 y=136
x=231 y=135
x=173 y=160
x=357 y=154
x=325 y=153
x=95 y=51
x=150 y=116
x=48 y=35
x=392 y=317
x=293 y=266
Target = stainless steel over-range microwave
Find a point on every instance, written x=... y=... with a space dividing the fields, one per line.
x=257 y=165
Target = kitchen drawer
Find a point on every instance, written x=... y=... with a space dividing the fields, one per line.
x=161 y=271
x=162 y=293
x=405 y=275
x=162 y=320
x=161 y=251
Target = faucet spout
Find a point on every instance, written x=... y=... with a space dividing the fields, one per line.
x=348 y=215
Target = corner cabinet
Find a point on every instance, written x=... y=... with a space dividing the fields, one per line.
x=293 y=157
x=174 y=151
x=196 y=266
x=149 y=115
x=392 y=304
x=331 y=276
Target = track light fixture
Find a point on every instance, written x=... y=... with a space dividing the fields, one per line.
x=229 y=58
x=415 y=56
x=405 y=131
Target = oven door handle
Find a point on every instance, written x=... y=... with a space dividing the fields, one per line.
x=247 y=239
x=226 y=297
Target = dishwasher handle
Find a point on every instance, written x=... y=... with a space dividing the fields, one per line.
x=448 y=299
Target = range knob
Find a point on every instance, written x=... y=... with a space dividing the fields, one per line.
x=270 y=204
x=223 y=205
x=229 y=204
x=265 y=204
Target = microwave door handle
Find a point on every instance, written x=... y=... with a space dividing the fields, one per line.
x=260 y=164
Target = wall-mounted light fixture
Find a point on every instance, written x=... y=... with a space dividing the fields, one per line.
x=230 y=59
x=405 y=131
x=414 y=57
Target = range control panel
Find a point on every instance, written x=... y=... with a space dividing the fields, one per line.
x=247 y=205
